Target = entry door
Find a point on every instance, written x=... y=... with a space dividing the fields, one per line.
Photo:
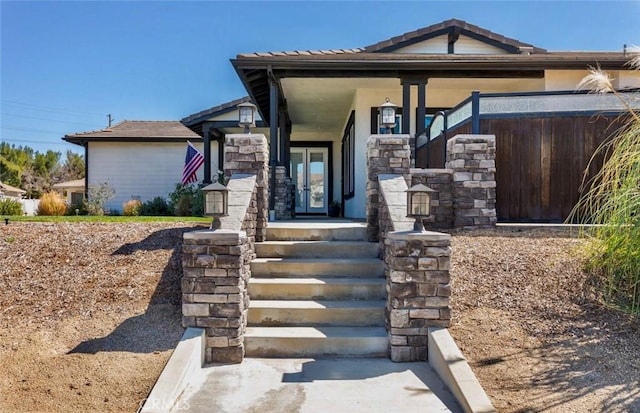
x=309 y=174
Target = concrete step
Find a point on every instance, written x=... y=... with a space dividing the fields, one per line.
x=269 y=313
x=317 y=249
x=277 y=342
x=319 y=288
x=314 y=267
x=316 y=231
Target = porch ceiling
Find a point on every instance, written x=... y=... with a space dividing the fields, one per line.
x=323 y=104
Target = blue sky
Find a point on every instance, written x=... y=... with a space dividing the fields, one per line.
x=66 y=65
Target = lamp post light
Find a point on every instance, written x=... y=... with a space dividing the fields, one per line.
x=388 y=115
x=419 y=204
x=216 y=202
x=247 y=115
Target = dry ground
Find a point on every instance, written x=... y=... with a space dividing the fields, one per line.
x=89 y=315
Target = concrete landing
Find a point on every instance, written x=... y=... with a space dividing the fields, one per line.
x=317 y=386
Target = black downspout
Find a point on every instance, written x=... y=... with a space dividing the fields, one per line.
x=86 y=170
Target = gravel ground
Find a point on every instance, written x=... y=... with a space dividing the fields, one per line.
x=89 y=314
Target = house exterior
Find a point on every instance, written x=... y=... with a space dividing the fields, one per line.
x=8 y=191
x=138 y=159
x=73 y=191
x=319 y=107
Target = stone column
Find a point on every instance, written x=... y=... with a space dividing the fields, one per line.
x=386 y=154
x=417 y=272
x=214 y=290
x=285 y=195
x=472 y=159
x=249 y=154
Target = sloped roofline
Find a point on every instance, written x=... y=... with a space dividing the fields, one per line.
x=453 y=27
x=214 y=111
x=136 y=131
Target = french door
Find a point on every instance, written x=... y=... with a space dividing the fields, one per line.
x=309 y=172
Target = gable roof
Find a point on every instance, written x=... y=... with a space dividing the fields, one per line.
x=76 y=183
x=214 y=111
x=454 y=28
x=137 y=131
x=8 y=188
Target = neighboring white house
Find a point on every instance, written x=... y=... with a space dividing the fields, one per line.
x=73 y=191
x=138 y=159
x=8 y=191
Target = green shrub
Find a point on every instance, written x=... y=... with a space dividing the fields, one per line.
x=10 y=206
x=612 y=201
x=156 y=207
x=51 y=203
x=132 y=208
x=187 y=200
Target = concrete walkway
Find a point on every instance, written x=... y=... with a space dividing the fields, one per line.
x=318 y=386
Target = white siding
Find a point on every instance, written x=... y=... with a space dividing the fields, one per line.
x=435 y=45
x=146 y=170
x=440 y=45
x=467 y=45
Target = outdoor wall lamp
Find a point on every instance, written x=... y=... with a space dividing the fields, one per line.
x=388 y=115
x=247 y=112
x=419 y=204
x=216 y=202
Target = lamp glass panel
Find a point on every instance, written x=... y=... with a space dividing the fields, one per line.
x=246 y=115
x=215 y=202
x=388 y=116
x=420 y=204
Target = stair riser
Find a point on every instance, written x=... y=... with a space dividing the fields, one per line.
x=285 y=269
x=317 y=292
x=272 y=317
x=315 y=347
x=317 y=234
x=364 y=250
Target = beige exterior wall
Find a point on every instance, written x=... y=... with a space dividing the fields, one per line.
x=231 y=116
x=137 y=169
x=627 y=79
x=563 y=79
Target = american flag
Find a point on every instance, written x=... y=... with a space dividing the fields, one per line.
x=192 y=162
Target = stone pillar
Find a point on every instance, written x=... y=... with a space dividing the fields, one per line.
x=417 y=273
x=285 y=195
x=472 y=159
x=214 y=290
x=249 y=154
x=442 y=200
x=386 y=154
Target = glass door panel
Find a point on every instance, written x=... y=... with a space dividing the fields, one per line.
x=309 y=174
x=298 y=172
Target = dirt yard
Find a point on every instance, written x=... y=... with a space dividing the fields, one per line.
x=89 y=314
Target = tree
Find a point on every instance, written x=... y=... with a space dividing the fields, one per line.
x=72 y=168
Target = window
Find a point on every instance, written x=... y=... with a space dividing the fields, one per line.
x=77 y=198
x=348 y=154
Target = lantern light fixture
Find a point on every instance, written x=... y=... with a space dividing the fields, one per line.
x=388 y=115
x=419 y=204
x=216 y=202
x=247 y=115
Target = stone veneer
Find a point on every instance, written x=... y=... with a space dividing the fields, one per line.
x=285 y=206
x=216 y=263
x=386 y=154
x=417 y=273
x=472 y=160
x=440 y=180
x=249 y=154
x=214 y=290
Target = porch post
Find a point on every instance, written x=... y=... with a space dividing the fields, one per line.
x=207 y=152
x=406 y=106
x=283 y=136
x=273 y=142
x=475 y=113
x=422 y=106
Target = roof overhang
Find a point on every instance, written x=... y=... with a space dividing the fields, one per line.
x=256 y=71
